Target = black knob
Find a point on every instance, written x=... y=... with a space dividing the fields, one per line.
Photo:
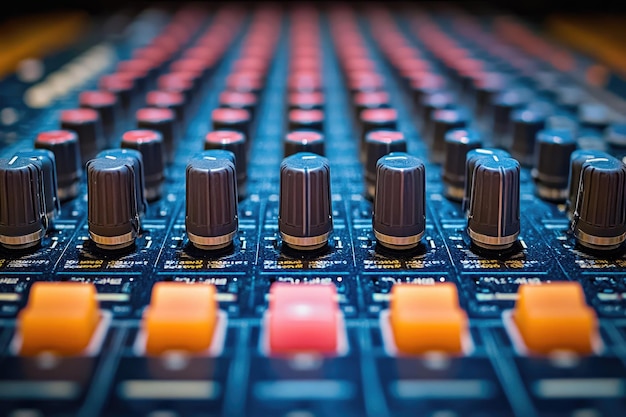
x=443 y=121
x=237 y=100
x=504 y=103
x=211 y=218
x=136 y=161
x=399 y=218
x=231 y=119
x=22 y=207
x=577 y=159
x=162 y=121
x=494 y=214
x=485 y=88
x=370 y=100
x=87 y=125
x=113 y=219
x=149 y=143
x=458 y=143
x=526 y=124
x=377 y=119
x=306 y=119
x=49 y=180
x=600 y=213
x=569 y=97
x=378 y=144
x=304 y=141
x=64 y=146
x=235 y=142
x=471 y=160
x=171 y=100
x=431 y=102
x=305 y=214
x=553 y=150
x=563 y=122
x=108 y=108
x=123 y=88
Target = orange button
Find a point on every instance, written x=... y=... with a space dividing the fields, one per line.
x=180 y=317
x=427 y=318
x=555 y=317
x=303 y=318
x=60 y=317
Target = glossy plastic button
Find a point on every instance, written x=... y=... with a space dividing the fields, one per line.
x=427 y=318
x=180 y=317
x=60 y=317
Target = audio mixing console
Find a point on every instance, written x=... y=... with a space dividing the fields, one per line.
x=291 y=211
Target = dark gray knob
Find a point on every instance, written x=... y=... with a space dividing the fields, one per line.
x=211 y=218
x=113 y=219
x=431 y=102
x=569 y=97
x=108 y=108
x=49 y=176
x=526 y=124
x=136 y=161
x=87 y=125
x=458 y=143
x=149 y=143
x=305 y=213
x=235 y=142
x=378 y=144
x=443 y=121
x=600 y=215
x=22 y=207
x=303 y=141
x=399 y=218
x=553 y=150
x=494 y=215
x=163 y=121
x=504 y=103
x=577 y=159
x=471 y=161
x=594 y=116
x=64 y=145
x=485 y=88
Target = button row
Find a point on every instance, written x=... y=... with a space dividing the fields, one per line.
x=62 y=318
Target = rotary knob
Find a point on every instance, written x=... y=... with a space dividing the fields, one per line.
x=378 y=144
x=399 y=218
x=136 y=160
x=494 y=217
x=526 y=124
x=458 y=143
x=113 y=217
x=577 y=159
x=600 y=213
x=471 y=160
x=49 y=180
x=443 y=121
x=305 y=213
x=553 y=150
x=211 y=218
x=22 y=207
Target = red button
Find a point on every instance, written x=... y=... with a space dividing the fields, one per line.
x=303 y=318
x=304 y=136
x=115 y=82
x=224 y=137
x=385 y=136
x=228 y=115
x=95 y=99
x=237 y=98
x=174 y=82
x=306 y=99
x=306 y=116
x=192 y=65
x=371 y=98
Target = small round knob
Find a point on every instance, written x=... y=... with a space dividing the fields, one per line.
x=471 y=160
x=577 y=159
x=304 y=141
x=600 y=213
x=136 y=161
x=49 y=180
x=64 y=145
x=616 y=135
x=443 y=121
x=552 y=159
x=494 y=215
x=150 y=144
x=162 y=121
x=113 y=218
x=526 y=124
x=22 y=207
x=305 y=213
x=378 y=144
x=87 y=125
x=235 y=142
x=211 y=218
x=108 y=108
x=399 y=218
x=458 y=143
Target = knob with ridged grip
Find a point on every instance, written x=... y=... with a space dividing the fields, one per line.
x=458 y=143
x=553 y=150
x=136 y=160
x=211 y=217
x=23 y=221
x=600 y=213
x=399 y=218
x=471 y=159
x=49 y=180
x=494 y=213
x=112 y=209
x=305 y=213
x=577 y=159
